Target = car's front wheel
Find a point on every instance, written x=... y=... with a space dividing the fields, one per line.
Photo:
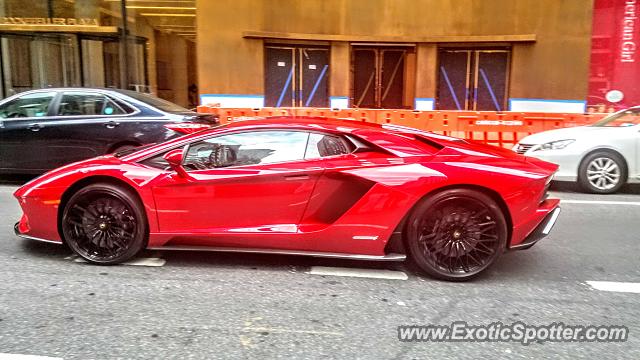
x=456 y=234
x=104 y=224
x=602 y=172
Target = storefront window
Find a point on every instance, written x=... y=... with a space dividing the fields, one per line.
x=55 y=43
x=39 y=61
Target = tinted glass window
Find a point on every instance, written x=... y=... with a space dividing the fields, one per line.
x=87 y=104
x=625 y=118
x=30 y=105
x=321 y=145
x=157 y=162
x=156 y=102
x=248 y=148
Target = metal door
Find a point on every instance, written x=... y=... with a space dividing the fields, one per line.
x=296 y=76
x=491 y=74
x=378 y=77
x=473 y=79
x=364 y=78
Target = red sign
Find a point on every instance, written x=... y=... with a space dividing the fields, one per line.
x=614 y=79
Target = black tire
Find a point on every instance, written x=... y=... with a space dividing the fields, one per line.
x=600 y=170
x=456 y=234
x=104 y=224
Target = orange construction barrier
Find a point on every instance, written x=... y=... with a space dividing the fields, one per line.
x=496 y=128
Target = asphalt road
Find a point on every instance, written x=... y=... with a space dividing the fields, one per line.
x=207 y=305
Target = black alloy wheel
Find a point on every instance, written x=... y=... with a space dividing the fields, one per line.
x=104 y=224
x=456 y=234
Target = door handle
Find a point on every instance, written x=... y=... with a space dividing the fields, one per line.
x=297 y=177
x=111 y=124
x=34 y=127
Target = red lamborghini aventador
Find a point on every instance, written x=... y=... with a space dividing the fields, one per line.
x=303 y=186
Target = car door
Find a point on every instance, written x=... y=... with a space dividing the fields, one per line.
x=85 y=124
x=22 y=148
x=337 y=191
x=241 y=183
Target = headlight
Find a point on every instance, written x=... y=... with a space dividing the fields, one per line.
x=555 y=145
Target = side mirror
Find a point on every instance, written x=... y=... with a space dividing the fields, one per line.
x=174 y=158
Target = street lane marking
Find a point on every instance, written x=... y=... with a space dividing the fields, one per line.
x=600 y=202
x=4 y=356
x=146 y=262
x=361 y=273
x=627 y=287
x=152 y=262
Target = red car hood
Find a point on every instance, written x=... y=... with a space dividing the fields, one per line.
x=51 y=178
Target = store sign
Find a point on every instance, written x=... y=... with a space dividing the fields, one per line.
x=615 y=55
x=48 y=21
x=628 y=33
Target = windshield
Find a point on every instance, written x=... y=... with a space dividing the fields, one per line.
x=628 y=117
x=156 y=102
x=128 y=151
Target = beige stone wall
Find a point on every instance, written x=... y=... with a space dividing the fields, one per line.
x=172 y=54
x=555 y=66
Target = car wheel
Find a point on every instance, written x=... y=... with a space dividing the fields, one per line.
x=456 y=234
x=104 y=224
x=602 y=172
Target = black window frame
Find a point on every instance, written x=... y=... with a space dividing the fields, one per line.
x=61 y=94
x=347 y=142
x=354 y=146
x=188 y=146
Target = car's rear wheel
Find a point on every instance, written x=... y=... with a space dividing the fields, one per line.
x=602 y=172
x=104 y=224
x=456 y=234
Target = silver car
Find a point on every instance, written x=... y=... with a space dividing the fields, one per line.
x=601 y=157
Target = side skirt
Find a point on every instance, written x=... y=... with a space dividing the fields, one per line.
x=387 y=257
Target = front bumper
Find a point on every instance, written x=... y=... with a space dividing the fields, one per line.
x=566 y=160
x=541 y=231
x=16 y=230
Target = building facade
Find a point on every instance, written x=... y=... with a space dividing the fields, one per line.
x=522 y=55
x=426 y=54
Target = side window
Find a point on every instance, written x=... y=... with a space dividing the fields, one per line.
x=249 y=148
x=321 y=145
x=157 y=162
x=30 y=105
x=628 y=118
x=87 y=104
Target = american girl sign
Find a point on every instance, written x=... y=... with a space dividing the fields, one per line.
x=615 y=50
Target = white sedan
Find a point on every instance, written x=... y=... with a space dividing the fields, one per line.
x=601 y=157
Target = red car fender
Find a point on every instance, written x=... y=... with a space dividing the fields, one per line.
x=42 y=197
